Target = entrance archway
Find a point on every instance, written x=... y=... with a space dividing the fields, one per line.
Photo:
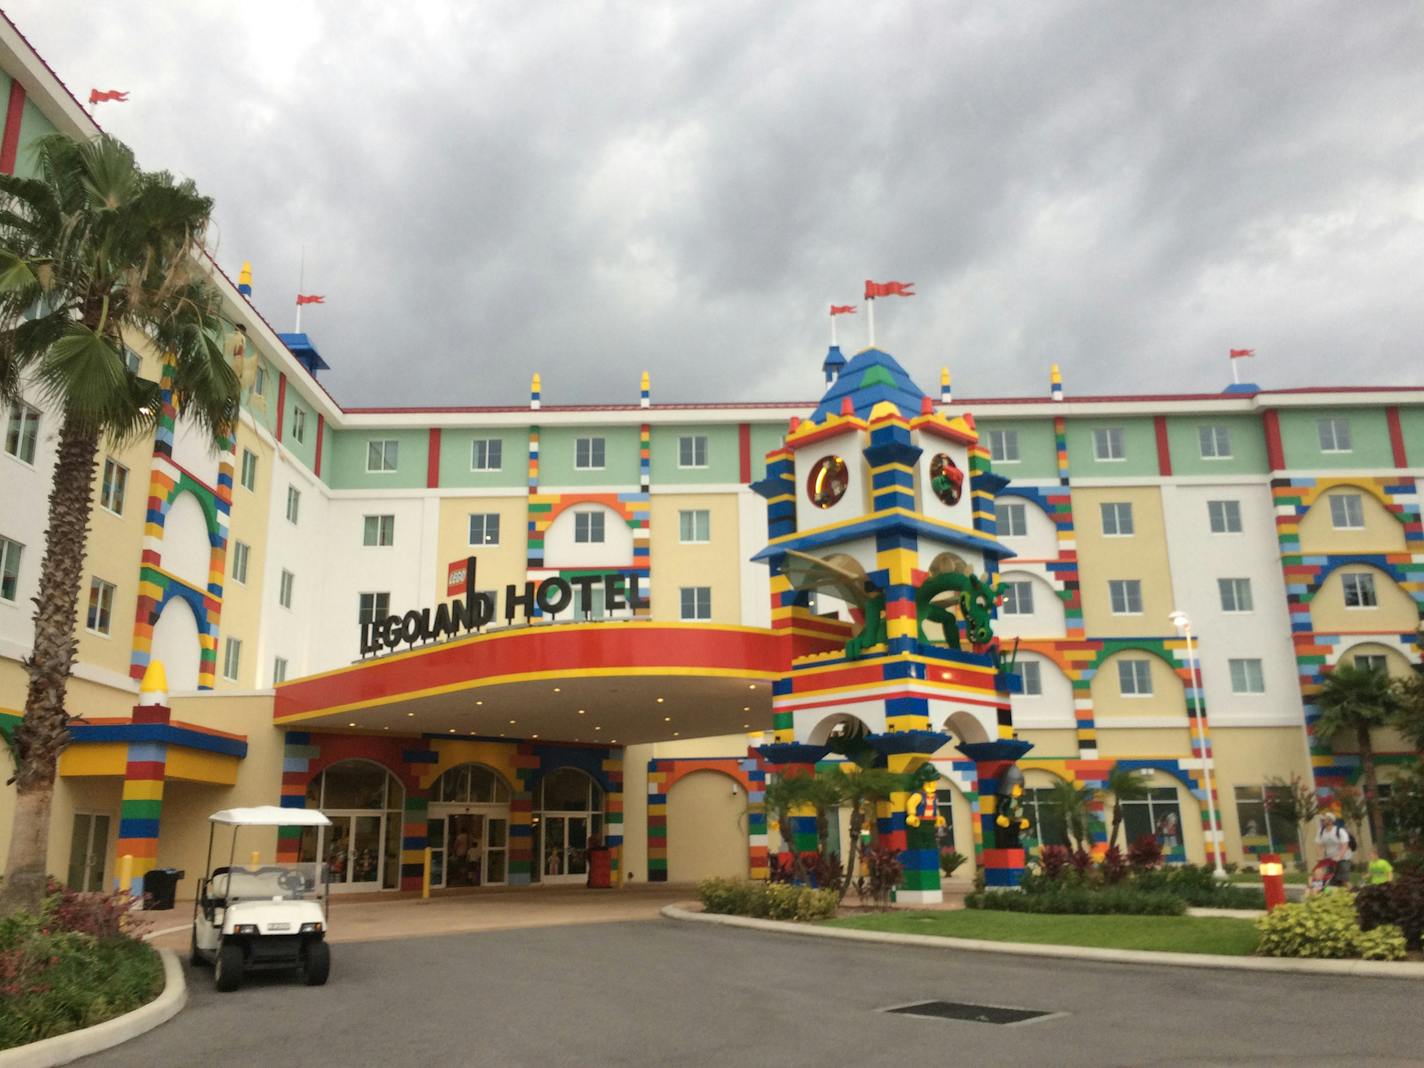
x=706 y=828
x=568 y=811
x=366 y=806
x=468 y=827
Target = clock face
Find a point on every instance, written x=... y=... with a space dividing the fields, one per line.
x=828 y=481
x=946 y=479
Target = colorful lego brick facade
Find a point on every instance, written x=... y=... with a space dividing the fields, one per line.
x=749 y=772
x=157 y=587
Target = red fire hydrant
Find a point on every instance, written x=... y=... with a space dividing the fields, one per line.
x=1273 y=875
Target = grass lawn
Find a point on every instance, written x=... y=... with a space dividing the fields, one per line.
x=1170 y=934
x=1293 y=878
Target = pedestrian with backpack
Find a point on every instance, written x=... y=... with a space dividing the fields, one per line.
x=1338 y=847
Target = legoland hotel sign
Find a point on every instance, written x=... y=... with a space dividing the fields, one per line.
x=474 y=609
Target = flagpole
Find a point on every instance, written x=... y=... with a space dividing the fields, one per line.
x=1235 y=374
x=870 y=319
x=301 y=281
x=833 y=332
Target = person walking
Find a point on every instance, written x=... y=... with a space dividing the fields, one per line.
x=1334 y=843
x=1380 y=870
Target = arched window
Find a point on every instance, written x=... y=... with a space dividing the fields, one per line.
x=365 y=804
x=472 y=784
x=568 y=814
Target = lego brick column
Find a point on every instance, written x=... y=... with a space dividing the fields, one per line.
x=613 y=811
x=298 y=753
x=657 y=823
x=919 y=851
x=521 y=816
x=415 y=825
x=144 y=772
x=1003 y=867
x=758 y=859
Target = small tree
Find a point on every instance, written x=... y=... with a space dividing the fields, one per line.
x=1353 y=813
x=1073 y=800
x=858 y=791
x=1295 y=801
x=1354 y=700
x=1406 y=805
x=1124 y=784
x=786 y=794
x=1409 y=710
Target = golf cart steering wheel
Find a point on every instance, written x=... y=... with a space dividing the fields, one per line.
x=293 y=881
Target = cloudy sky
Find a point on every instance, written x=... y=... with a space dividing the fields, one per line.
x=588 y=189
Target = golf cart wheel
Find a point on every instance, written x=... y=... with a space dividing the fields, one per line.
x=316 y=964
x=195 y=958
x=228 y=974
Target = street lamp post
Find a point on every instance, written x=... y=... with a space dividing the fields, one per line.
x=1184 y=627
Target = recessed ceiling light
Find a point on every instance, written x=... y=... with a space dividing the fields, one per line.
x=667 y=719
x=452 y=730
x=533 y=736
x=598 y=728
x=479 y=702
x=351 y=724
x=511 y=723
x=746 y=708
x=557 y=690
x=674 y=734
x=410 y=713
x=660 y=700
x=581 y=711
x=745 y=726
x=612 y=739
x=501 y=734
x=751 y=686
x=385 y=728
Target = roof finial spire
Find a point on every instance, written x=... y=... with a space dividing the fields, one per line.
x=1055 y=380
x=244 y=279
x=946 y=391
x=645 y=399
x=534 y=392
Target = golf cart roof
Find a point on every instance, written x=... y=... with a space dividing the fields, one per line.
x=270 y=816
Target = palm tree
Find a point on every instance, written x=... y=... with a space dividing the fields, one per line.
x=92 y=250
x=785 y=796
x=1355 y=699
x=1409 y=715
x=1073 y=800
x=858 y=791
x=1124 y=784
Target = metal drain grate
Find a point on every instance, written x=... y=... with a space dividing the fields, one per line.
x=959 y=1010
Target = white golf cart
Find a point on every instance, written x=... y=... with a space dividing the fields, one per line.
x=270 y=916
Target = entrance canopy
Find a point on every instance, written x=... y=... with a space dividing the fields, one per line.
x=617 y=682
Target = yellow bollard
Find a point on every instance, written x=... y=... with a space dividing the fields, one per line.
x=256 y=859
x=425 y=875
x=126 y=866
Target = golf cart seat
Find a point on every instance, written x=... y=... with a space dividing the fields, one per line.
x=245 y=884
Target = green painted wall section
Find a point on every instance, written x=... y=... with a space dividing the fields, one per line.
x=1139 y=448
x=1411 y=423
x=765 y=437
x=620 y=456
x=1038 y=452
x=345 y=466
x=455 y=456
x=1248 y=445
x=723 y=458
x=1369 y=439
x=304 y=450
x=33 y=126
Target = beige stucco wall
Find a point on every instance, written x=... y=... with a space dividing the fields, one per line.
x=1249 y=756
x=1381 y=532
x=1050 y=743
x=707 y=828
x=1395 y=611
x=1141 y=556
x=1168 y=698
x=674 y=565
x=498 y=565
x=242 y=602
x=1171 y=742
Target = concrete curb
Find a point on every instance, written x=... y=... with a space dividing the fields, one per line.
x=1370 y=968
x=61 y=1049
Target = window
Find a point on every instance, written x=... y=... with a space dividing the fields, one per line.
x=1359 y=590
x=279 y=670
x=1235 y=594
x=588 y=454
x=373 y=607
x=1049 y=826
x=1262 y=831
x=1126 y=596
x=1117 y=519
x=101 y=605
x=259 y=381
x=284 y=589
x=1225 y=516
x=590 y=606
x=1215 y=442
x=1107 y=443
x=697 y=602
x=299 y=424
x=1134 y=677
x=1372 y=662
x=1018 y=599
x=382 y=455
x=486 y=454
x=1011 y=520
x=380 y=530
x=294 y=503
x=9 y=568
x=1347 y=511
x=240 y=554
x=22 y=432
x=249 y=469
x=692 y=451
x=1247 y=677
x=116 y=481
x=1159 y=816
x=1031 y=672
x=695 y=526
x=1334 y=435
x=132 y=362
x=1004 y=446
x=588 y=527
x=484 y=528
x=232 y=658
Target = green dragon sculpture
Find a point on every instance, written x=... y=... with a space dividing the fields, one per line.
x=975 y=601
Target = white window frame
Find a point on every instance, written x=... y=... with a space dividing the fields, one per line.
x=1140 y=670
x=1109 y=444
x=111 y=499
x=1243 y=682
x=101 y=621
x=24 y=421
x=493 y=449
x=584 y=528
x=286 y=584
x=248 y=472
x=1347 y=511
x=241 y=556
x=692 y=441
x=11 y=553
x=389 y=450
x=1129 y=588
x=299 y=424
x=1364 y=584
x=1229 y=509
x=1115 y=509
x=383 y=528
x=1018 y=598
x=1373 y=662
x=485 y=528
x=279 y=669
x=294 y=504
x=1031 y=672
x=232 y=658
x=701 y=603
x=1214 y=441
x=375 y=596
x=584 y=450
x=1232 y=590
x=688 y=522
x=259 y=380
x=132 y=361
x=1331 y=430
x=1003 y=446
x=1007 y=516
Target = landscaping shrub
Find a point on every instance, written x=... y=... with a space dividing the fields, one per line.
x=1081 y=861
x=768 y=901
x=1115 y=868
x=950 y=861
x=1325 y=926
x=1199 y=888
x=1052 y=860
x=1081 y=900
x=72 y=965
x=1399 y=903
x=882 y=875
x=1145 y=854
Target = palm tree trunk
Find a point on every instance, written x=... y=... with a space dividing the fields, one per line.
x=44 y=732
x=1367 y=764
x=1116 y=822
x=857 y=821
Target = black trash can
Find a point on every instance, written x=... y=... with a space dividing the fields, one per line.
x=160 y=886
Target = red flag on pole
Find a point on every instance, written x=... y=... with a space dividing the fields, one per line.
x=842 y=309
x=303 y=298
x=98 y=96
x=1236 y=354
x=888 y=289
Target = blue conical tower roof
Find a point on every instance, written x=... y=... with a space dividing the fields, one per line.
x=868 y=379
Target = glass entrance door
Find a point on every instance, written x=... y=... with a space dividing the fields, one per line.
x=352 y=850
x=464 y=849
x=563 y=848
x=87 y=850
x=468 y=848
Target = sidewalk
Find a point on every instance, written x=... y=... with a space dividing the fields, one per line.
x=365 y=918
